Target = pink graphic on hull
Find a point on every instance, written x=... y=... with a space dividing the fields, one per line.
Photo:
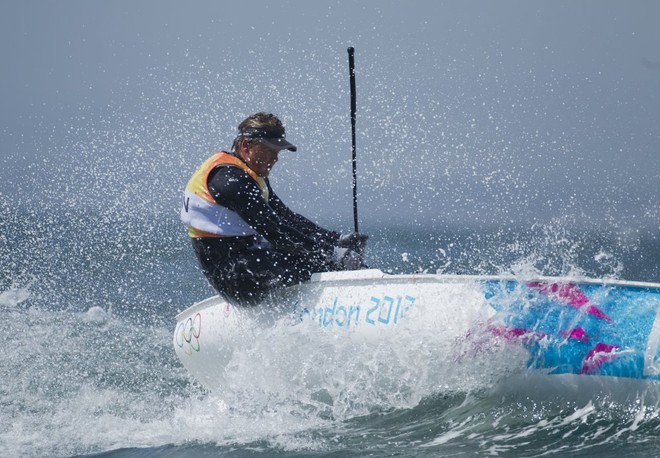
x=568 y=294
x=598 y=355
x=510 y=334
x=576 y=334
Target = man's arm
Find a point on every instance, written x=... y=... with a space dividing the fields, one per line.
x=232 y=188
x=299 y=222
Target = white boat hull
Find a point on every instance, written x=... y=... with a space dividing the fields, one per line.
x=563 y=331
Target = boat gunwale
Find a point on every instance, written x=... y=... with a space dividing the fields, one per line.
x=371 y=275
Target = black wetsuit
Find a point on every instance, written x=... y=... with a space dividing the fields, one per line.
x=286 y=251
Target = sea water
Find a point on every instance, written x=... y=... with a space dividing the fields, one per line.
x=88 y=369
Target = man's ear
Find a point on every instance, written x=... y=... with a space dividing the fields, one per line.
x=243 y=145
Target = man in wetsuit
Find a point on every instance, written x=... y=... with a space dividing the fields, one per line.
x=246 y=240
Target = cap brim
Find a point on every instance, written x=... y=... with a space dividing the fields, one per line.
x=278 y=144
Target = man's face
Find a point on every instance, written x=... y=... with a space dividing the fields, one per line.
x=259 y=157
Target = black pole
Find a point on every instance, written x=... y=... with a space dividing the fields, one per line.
x=351 y=68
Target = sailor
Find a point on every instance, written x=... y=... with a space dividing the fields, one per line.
x=247 y=241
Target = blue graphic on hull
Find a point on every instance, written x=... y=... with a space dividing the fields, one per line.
x=572 y=328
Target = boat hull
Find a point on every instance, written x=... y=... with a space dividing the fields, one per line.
x=566 y=326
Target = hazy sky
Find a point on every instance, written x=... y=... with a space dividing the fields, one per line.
x=475 y=112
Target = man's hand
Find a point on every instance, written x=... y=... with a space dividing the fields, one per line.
x=353 y=241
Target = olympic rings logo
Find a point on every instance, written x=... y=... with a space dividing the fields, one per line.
x=187 y=334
